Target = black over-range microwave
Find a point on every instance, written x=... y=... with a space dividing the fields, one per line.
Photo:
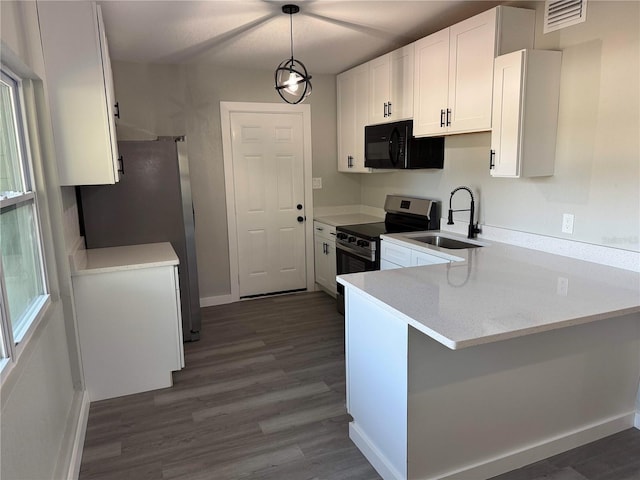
x=392 y=145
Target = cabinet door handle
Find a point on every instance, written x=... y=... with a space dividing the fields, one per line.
x=442 y=118
x=448 y=117
x=117 y=107
x=389 y=108
x=349 y=161
x=385 y=110
x=121 y=162
x=492 y=156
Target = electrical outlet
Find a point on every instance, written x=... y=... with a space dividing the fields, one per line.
x=567 y=223
x=563 y=286
x=317 y=183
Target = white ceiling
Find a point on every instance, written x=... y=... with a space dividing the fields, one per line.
x=329 y=36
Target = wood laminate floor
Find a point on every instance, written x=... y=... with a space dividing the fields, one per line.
x=262 y=397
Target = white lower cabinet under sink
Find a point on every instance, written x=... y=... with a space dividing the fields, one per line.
x=397 y=256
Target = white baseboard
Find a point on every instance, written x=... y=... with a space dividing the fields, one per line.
x=491 y=467
x=78 y=440
x=536 y=452
x=371 y=452
x=636 y=421
x=218 y=300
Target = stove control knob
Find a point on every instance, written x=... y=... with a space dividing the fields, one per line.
x=341 y=236
x=351 y=239
x=362 y=243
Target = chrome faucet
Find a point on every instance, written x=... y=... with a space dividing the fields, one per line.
x=473 y=229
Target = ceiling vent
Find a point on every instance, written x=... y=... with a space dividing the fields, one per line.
x=563 y=13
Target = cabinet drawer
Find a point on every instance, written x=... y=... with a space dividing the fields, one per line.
x=419 y=258
x=324 y=230
x=387 y=265
x=392 y=253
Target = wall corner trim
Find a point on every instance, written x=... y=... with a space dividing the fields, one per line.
x=78 y=438
x=217 y=300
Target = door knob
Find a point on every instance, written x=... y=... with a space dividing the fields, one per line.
x=300 y=219
x=299 y=206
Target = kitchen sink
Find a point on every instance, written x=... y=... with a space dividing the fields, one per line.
x=445 y=242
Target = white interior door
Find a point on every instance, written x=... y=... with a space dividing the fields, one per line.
x=268 y=176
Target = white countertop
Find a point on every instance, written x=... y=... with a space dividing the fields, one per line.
x=348 y=219
x=497 y=292
x=101 y=260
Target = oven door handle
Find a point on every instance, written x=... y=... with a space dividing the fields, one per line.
x=340 y=246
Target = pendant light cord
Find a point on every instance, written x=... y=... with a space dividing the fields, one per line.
x=291 y=32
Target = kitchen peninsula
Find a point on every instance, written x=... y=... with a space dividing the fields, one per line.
x=473 y=368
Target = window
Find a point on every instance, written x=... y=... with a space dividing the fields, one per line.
x=22 y=277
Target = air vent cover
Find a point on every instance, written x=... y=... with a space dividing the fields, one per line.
x=563 y=13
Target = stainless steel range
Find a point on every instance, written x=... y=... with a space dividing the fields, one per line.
x=358 y=246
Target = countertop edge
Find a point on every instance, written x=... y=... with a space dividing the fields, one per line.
x=461 y=344
x=123 y=258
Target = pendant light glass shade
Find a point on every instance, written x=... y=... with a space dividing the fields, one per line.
x=293 y=82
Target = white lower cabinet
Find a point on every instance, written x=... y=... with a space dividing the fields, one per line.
x=419 y=258
x=397 y=256
x=387 y=265
x=325 y=256
x=129 y=329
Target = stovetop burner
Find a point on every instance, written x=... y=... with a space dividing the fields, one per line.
x=369 y=231
x=404 y=214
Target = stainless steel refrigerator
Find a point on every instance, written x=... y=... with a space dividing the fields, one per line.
x=151 y=203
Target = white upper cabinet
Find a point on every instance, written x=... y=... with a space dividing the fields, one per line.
x=80 y=90
x=353 y=115
x=453 y=74
x=391 y=86
x=525 y=113
x=431 y=83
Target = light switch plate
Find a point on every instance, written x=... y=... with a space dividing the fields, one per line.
x=317 y=183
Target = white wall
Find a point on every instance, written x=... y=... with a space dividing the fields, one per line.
x=42 y=395
x=597 y=174
x=185 y=100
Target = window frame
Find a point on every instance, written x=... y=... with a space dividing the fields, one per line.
x=12 y=345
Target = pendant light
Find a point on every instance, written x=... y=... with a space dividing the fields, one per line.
x=293 y=83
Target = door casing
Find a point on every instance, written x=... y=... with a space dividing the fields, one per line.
x=226 y=109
